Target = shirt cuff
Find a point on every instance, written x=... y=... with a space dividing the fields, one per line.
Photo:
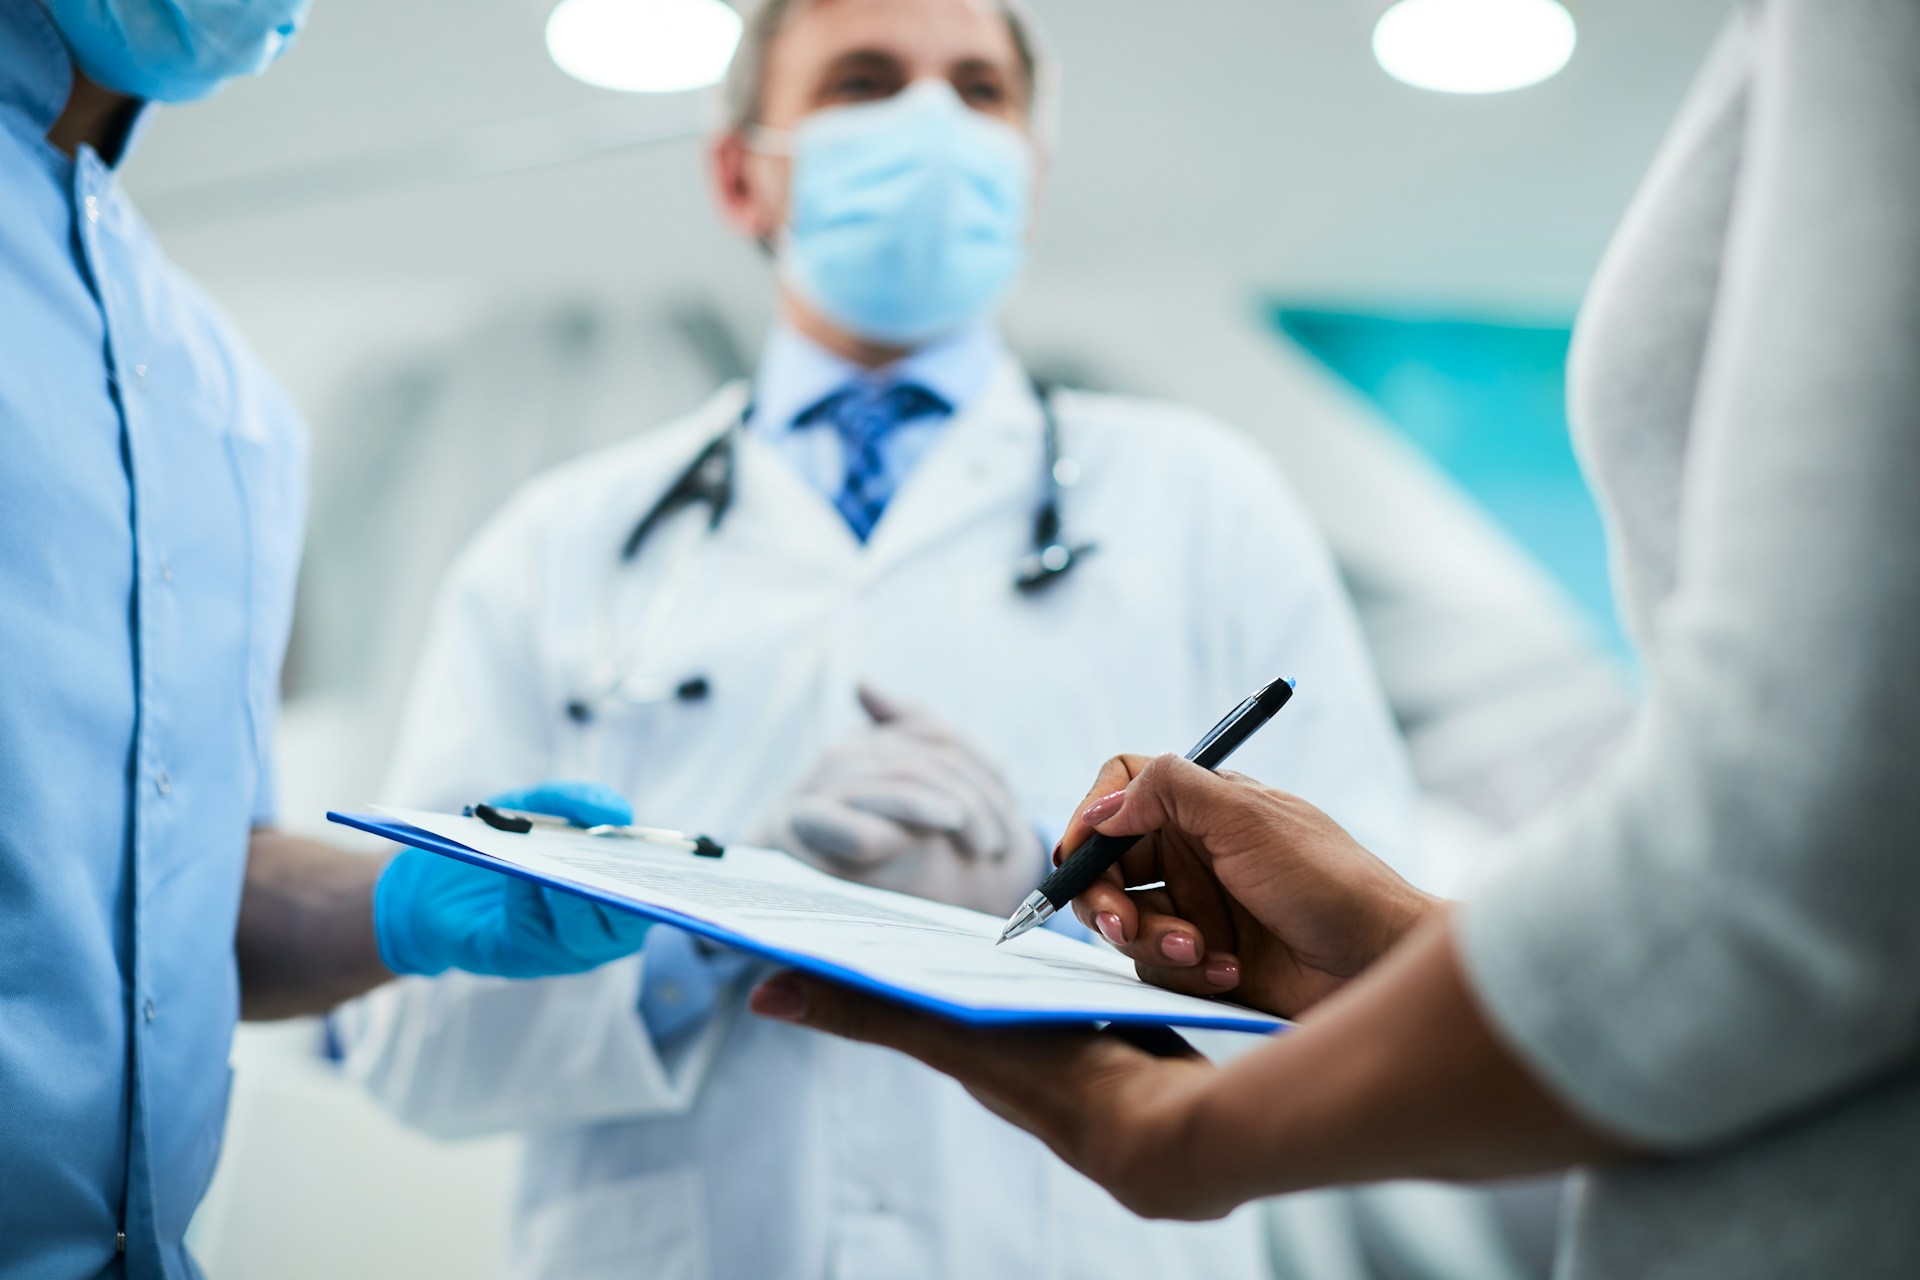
x=682 y=981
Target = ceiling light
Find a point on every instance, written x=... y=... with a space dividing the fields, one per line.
x=643 y=46
x=1474 y=46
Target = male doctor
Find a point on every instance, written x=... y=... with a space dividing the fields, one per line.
x=825 y=648
x=151 y=488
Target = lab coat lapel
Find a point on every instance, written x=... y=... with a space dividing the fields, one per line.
x=779 y=515
x=986 y=464
x=775 y=513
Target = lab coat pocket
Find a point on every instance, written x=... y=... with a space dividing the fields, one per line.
x=271 y=487
x=648 y=1227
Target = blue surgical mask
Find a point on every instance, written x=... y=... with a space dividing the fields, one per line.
x=907 y=217
x=175 y=50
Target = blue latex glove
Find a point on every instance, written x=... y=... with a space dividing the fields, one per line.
x=584 y=804
x=432 y=913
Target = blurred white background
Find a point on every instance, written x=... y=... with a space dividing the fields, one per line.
x=466 y=266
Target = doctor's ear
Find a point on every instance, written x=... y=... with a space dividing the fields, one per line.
x=750 y=186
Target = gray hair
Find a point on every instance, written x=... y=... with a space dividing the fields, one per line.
x=741 y=91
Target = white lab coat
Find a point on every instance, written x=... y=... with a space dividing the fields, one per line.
x=757 y=1150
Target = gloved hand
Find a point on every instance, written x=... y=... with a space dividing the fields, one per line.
x=902 y=803
x=584 y=804
x=432 y=913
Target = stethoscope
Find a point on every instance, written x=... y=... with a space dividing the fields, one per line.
x=709 y=480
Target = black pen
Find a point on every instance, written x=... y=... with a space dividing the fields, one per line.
x=1090 y=861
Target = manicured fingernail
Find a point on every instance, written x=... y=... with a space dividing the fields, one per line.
x=1103 y=808
x=1179 y=948
x=1223 y=973
x=779 y=997
x=1110 y=928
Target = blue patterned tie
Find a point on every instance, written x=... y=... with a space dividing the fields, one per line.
x=864 y=416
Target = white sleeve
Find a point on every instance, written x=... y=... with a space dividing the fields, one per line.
x=458 y=1054
x=1722 y=933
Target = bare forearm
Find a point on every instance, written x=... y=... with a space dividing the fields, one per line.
x=306 y=938
x=1400 y=1075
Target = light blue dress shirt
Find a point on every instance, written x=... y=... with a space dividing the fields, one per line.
x=796 y=374
x=684 y=977
x=151 y=489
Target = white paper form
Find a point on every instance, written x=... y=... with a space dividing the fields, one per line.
x=928 y=953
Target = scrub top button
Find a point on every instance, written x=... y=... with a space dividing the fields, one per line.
x=162 y=783
x=93 y=209
x=148 y=1010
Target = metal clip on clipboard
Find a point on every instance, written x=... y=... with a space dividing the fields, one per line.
x=520 y=822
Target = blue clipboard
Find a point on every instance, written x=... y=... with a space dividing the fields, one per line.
x=1228 y=1019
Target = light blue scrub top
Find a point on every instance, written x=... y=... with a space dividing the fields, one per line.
x=151 y=495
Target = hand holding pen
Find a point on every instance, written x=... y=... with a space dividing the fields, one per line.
x=1261 y=899
x=1092 y=857
x=1227 y=916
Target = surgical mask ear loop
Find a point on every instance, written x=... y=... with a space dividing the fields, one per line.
x=763 y=141
x=768 y=142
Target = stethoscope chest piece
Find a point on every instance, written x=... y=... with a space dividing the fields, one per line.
x=1045 y=566
x=636 y=692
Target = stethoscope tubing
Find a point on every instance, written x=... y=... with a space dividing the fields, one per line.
x=709 y=478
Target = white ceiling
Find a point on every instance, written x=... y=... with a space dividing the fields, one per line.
x=1250 y=139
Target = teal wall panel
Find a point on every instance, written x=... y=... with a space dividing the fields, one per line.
x=1487 y=402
